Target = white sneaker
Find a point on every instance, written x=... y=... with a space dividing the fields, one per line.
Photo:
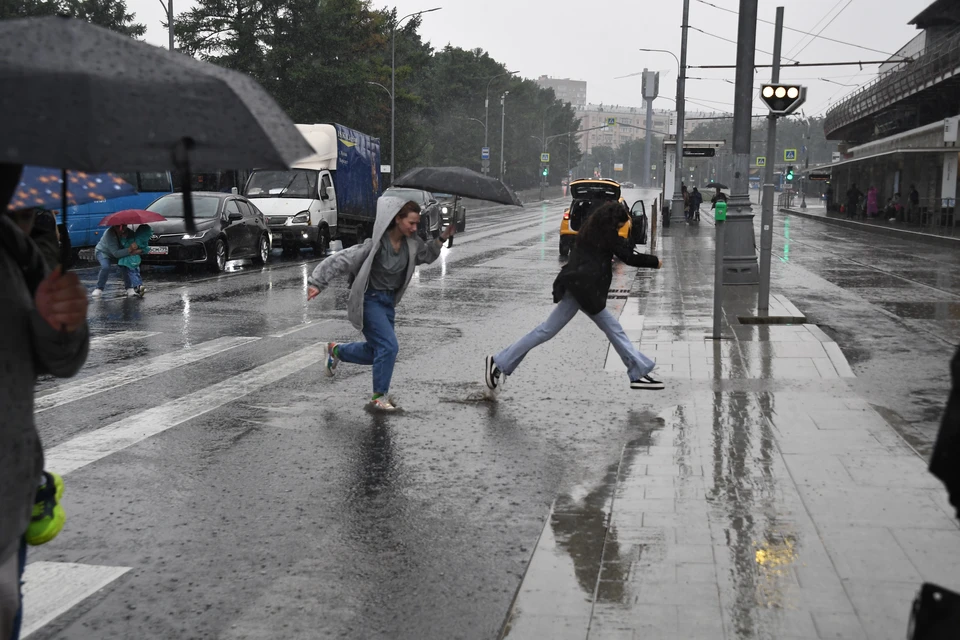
x=131 y=293
x=96 y=293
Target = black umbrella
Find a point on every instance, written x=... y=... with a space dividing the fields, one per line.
x=716 y=185
x=458 y=181
x=78 y=96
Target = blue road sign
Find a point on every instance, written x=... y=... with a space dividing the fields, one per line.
x=485 y=153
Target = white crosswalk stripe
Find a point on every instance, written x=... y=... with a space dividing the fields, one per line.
x=121 y=336
x=95 y=445
x=135 y=372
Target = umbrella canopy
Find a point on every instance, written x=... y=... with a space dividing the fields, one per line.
x=458 y=181
x=42 y=187
x=78 y=96
x=131 y=216
x=715 y=185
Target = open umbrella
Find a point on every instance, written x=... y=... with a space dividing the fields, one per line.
x=78 y=96
x=458 y=181
x=715 y=185
x=42 y=187
x=131 y=216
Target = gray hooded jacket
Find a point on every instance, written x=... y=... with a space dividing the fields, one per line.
x=357 y=261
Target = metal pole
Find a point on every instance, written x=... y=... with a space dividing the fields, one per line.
x=718 y=280
x=766 y=211
x=170 y=22
x=741 y=252
x=486 y=123
x=503 y=120
x=806 y=169
x=393 y=103
x=543 y=146
x=648 y=143
x=677 y=209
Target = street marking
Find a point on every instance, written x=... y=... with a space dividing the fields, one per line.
x=299 y=327
x=50 y=589
x=92 y=446
x=135 y=372
x=121 y=336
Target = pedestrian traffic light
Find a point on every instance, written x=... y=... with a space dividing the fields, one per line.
x=783 y=99
x=546 y=171
x=790 y=173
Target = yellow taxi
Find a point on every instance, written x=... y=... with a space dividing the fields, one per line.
x=588 y=195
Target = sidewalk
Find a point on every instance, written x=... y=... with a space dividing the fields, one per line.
x=760 y=498
x=944 y=236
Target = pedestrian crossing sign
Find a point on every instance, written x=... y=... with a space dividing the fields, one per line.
x=611 y=122
x=789 y=155
x=761 y=161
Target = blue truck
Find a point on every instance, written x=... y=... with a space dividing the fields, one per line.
x=327 y=196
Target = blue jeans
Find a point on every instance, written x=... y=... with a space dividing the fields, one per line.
x=638 y=365
x=131 y=277
x=381 y=347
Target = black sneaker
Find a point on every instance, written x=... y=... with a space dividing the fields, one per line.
x=646 y=382
x=491 y=374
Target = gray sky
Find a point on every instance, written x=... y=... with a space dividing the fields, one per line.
x=596 y=43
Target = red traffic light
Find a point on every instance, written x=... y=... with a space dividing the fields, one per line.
x=783 y=99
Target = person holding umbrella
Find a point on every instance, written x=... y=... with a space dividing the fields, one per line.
x=381 y=269
x=583 y=285
x=109 y=251
x=43 y=329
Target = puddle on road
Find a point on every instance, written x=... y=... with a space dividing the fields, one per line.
x=924 y=310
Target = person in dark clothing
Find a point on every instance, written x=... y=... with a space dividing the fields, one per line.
x=696 y=199
x=583 y=285
x=945 y=461
x=853 y=200
x=913 y=203
x=720 y=196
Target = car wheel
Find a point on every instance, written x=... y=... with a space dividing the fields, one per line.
x=263 y=250
x=564 y=249
x=218 y=261
x=323 y=241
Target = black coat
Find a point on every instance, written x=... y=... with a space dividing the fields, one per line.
x=945 y=461
x=589 y=272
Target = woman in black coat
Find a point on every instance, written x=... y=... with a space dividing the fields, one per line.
x=583 y=285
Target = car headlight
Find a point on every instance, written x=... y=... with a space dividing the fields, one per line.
x=445 y=210
x=194 y=236
x=301 y=218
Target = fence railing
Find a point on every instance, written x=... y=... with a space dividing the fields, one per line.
x=935 y=65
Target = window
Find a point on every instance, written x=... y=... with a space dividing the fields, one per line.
x=231 y=207
x=171 y=206
x=245 y=208
x=154 y=181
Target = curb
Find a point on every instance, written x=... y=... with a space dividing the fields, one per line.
x=904 y=234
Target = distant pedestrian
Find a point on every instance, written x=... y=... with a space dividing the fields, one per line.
x=696 y=199
x=109 y=251
x=583 y=285
x=381 y=269
x=686 y=200
x=913 y=203
x=138 y=238
x=853 y=200
x=720 y=196
x=873 y=203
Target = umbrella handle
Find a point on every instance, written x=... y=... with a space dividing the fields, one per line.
x=66 y=250
x=181 y=160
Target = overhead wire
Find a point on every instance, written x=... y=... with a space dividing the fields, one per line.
x=713 y=35
x=849 y=2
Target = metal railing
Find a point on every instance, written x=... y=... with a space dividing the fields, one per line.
x=934 y=65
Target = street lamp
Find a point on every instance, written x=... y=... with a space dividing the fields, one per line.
x=393 y=88
x=486 y=108
x=168 y=10
x=503 y=120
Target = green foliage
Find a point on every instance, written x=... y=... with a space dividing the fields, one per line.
x=111 y=14
x=322 y=60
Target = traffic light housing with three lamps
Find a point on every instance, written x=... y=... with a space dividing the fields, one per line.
x=790 y=173
x=546 y=171
x=783 y=99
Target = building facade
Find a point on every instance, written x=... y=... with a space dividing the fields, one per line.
x=566 y=90
x=900 y=130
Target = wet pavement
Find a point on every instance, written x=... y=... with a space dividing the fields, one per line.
x=218 y=485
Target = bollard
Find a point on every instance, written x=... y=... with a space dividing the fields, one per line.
x=720 y=217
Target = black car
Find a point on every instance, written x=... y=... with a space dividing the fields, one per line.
x=429 y=209
x=228 y=227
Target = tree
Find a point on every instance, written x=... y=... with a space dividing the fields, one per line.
x=110 y=14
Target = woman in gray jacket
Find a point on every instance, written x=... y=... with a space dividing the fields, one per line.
x=381 y=269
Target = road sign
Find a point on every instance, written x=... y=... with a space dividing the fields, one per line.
x=699 y=152
x=789 y=155
x=485 y=153
x=618 y=166
x=545 y=158
x=823 y=177
x=611 y=122
x=761 y=161
x=385 y=168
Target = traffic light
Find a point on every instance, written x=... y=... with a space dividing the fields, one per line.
x=790 y=173
x=546 y=171
x=783 y=99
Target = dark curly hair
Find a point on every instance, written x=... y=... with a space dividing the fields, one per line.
x=601 y=231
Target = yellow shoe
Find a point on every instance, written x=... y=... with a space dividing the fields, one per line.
x=48 y=516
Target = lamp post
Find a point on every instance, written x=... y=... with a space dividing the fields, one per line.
x=503 y=120
x=393 y=88
x=677 y=209
x=486 y=110
x=168 y=9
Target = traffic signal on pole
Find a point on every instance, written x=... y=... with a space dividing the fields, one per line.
x=783 y=99
x=790 y=173
x=546 y=171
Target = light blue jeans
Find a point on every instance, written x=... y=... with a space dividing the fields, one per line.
x=381 y=347
x=131 y=277
x=638 y=365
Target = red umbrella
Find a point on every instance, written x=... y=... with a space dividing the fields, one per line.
x=131 y=216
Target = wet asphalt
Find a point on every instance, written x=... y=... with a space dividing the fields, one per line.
x=285 y=509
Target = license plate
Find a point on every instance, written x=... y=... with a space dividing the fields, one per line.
x=159 y=250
